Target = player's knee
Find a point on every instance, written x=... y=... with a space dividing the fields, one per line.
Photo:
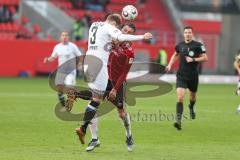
x=193 y=97
x=60 y=88
x=94 y=104
x=180 y=98
x=121 y=114
x=96 y=99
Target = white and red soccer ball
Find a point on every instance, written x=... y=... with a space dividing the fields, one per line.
x=129 y=12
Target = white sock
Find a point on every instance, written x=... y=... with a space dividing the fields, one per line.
x=94 y=127
x=127 y=125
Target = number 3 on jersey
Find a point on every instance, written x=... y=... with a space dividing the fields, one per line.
x=93 y=35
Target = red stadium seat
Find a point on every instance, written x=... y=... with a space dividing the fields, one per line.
x=36 y=28
x=125 y=2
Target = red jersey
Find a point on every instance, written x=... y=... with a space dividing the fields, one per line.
x=120 y=62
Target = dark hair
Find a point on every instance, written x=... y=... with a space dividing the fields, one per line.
x=116 y=18
x=188 y=27
x=131 y=25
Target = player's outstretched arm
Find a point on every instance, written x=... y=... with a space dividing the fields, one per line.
x=128 y=37
x=48 y=59
x=174 y=57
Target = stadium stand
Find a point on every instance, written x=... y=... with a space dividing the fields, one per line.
x=155 y=20
x=8 y=28
x=13 y=26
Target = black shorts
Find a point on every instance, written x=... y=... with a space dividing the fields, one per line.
x=190 y=82
x=119 y=102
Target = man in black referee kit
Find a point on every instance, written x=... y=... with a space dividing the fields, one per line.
x=190 y=53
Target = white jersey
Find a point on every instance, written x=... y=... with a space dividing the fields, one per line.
x=100 y=39
x=101 y=35
x=65 y=52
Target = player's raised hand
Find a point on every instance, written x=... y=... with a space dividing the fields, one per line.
x=147 y=36
x=112 y=95
x=168 y=68
x=48 y=59
x=45 y=60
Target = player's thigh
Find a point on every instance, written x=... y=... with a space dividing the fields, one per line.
x=121 y=96
x=192 y=95
x=181 y=82
x=193 y=84
x=181 y=93
x=181 y=85
x=59 y=78
x=92 y=68
x=119 y=101
x=108 y=89
x=99 y=85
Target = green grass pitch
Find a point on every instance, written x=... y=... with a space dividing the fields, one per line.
x=29 y=129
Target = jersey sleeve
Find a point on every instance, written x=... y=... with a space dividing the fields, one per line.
x=113 y=31
x=54 y=53
x=117 y=34
x=177 y=48
x=128 y=37
x=202 y=48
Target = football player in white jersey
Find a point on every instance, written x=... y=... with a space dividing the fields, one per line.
x=101 y=35
x=68 y=55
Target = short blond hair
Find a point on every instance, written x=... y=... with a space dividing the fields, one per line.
x=116 y=18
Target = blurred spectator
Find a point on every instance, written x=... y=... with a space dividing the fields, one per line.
x=95 y=5
x=81 y=26
x=76 y=4
x=104 y=3
x=87 y=20
x=5 y=14
x=162 y=57
x=78 y=30
x=23 y=32
x=36 y=31
x=140 y=2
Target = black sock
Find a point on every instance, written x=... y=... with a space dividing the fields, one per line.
x=61 y=99
x=179 y=110
x=86 y=95
x=191 y=105
x=89 y=114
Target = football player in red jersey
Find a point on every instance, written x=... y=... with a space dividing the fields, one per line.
x=120 y=61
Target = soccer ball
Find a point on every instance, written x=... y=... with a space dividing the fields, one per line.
x=129 y=12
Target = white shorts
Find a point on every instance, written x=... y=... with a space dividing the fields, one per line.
x=66 y=78
x=99 y=85
x=95 y=73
